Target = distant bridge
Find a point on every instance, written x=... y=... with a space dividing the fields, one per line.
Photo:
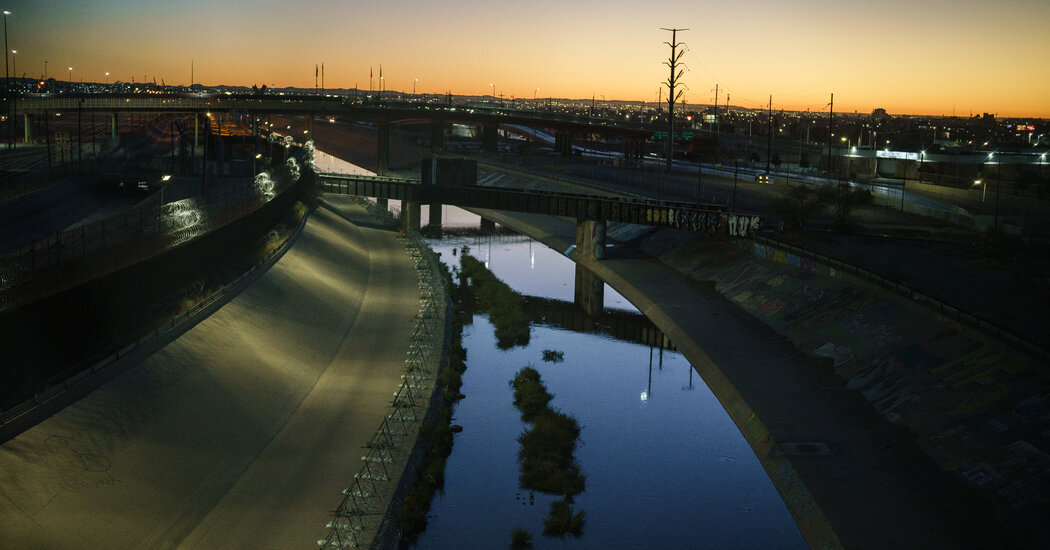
x=383 y=113
x=710 y=218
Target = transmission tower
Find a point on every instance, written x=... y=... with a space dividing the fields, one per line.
x=672 y=81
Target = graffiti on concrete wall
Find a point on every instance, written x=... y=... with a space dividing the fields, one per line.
x=714 y=223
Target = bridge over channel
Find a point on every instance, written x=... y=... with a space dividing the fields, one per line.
x=382 y=113
x=591 y=211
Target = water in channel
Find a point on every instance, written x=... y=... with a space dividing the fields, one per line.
x=664 y=465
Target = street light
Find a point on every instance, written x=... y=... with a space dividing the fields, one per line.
x=14 y=63
x=493 y=84
x=414 y=87
x=107 y=78
x=7 y=75
x=71 y=77
x=922 y=157
x=537 y=91
x=7 y=86
x=998 y=171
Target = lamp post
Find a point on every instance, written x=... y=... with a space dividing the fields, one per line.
x=493 y=84
x=7 y=86
x=414 y=82
x=922 y=158
x=71 y=78
x=107 y=78
x=7 y=75
x=998 y=171
x=14 y=64
x=846 y=141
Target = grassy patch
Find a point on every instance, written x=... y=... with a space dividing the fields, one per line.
x=503 y=304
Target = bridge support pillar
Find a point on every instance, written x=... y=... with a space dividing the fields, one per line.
x=113 y=129
x=437 y=135
x=490 y=138
x=383 y=152
x=434 y=223
x=632 y=151
x=28 y=129
x=563 y=143
x=410 y=211
x=590 y=238
x=589 y=291
x=488 y=226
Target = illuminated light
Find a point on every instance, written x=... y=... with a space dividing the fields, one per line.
x=165 y=177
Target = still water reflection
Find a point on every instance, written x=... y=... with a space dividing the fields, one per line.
x=664 y=465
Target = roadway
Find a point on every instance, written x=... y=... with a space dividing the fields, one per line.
x=241 y=432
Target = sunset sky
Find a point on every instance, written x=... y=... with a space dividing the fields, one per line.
x=919 y=56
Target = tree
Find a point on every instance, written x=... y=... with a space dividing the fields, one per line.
x=845 y=198
x=775 y=160
x=798 y=206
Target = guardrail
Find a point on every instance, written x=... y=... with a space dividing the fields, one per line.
x=946 y=310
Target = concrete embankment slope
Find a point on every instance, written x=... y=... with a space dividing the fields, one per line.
x=849 y=479
x=241 y=432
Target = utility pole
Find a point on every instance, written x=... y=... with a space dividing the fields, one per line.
x=676 y=73
x=831 y=125
x=769 y=145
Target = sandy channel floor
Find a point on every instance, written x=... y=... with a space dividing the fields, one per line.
x=242 y=432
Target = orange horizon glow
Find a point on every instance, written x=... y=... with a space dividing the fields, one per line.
x=932 y=58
